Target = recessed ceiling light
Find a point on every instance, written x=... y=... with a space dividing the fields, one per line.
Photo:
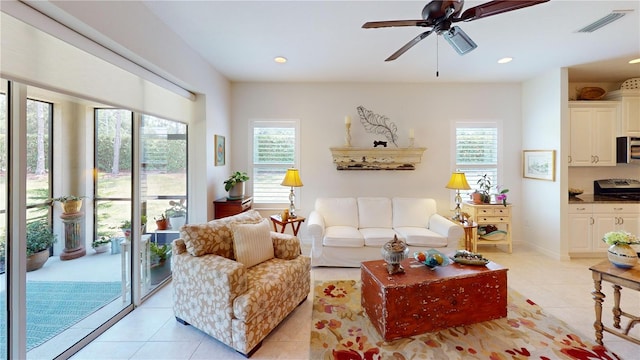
x=280 y=59
x=505 y=60
x=634 y=61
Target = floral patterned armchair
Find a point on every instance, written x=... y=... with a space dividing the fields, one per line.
x=237 y=304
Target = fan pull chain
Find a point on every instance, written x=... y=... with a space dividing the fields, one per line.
x=437 y=58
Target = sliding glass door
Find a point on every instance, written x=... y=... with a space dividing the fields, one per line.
x=163 y=188
x=4 y=150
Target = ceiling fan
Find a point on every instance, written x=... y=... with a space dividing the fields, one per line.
x=440 y=14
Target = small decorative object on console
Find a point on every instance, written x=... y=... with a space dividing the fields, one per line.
x=378 y=124
x=575 y=191
x=432 y=258
x=620 y=253
x=393 y=253
x=469 y=258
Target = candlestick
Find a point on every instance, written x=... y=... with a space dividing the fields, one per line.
x=411 y=137
x=347 y=120
x=347 y=138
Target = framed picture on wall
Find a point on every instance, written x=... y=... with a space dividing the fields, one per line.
x=219 y=150
x=539 y=164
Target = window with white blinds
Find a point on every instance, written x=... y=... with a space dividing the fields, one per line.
x=274 y=149
x=477 y=151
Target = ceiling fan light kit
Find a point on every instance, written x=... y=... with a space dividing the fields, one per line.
x=439 y=15
x=459 y=40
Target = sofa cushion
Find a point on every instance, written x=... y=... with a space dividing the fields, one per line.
x=343 y=236
x=338 y=211
x=252 y=243
x=412 y=211
x=374 y=212
x=377 y=237
x=215 y=237
x=419 y=236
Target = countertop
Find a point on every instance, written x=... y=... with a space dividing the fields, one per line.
x=594 y=199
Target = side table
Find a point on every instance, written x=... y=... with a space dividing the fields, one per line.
x=295 y=223
x=628 y=278
x=470 y=234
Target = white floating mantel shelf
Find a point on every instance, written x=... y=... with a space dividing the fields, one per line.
x=352 y=158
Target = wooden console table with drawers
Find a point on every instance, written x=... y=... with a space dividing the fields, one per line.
x=490 y=214
x=224 y=207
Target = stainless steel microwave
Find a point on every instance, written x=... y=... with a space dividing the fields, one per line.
x=628 y=150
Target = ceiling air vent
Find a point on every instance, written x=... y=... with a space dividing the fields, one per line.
x=606 y=20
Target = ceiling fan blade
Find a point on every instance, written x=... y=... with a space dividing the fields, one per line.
x=408 y=45
x=392 y=23
x=494 y=8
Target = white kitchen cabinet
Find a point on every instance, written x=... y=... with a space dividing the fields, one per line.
x=580 y=227
x=629 y=117
x=589 y=222
x=593 y=133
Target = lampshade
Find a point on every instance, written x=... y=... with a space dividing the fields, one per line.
x=292 y=178
x=458 y=182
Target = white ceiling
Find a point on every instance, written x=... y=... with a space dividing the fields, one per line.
x=324 y=41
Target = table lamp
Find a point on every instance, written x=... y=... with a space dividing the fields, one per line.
x=292 y=178
x=457 y=182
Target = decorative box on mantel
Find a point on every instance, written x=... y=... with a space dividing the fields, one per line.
x=352 y=158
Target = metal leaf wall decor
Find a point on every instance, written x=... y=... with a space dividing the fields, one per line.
x=378 y=124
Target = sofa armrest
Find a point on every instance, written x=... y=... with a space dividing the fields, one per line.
x=315 y=229
x=178 y=246
x=285 y=246
x=447 y=228
x=208 y=276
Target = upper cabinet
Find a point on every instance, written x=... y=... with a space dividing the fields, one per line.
x=593 y=133
x=629 y=117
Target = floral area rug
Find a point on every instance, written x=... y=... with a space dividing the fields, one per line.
x=341 y=330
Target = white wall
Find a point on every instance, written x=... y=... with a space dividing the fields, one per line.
x=542 y=107
x=429 y=109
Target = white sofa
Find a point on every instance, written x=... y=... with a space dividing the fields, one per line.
x=347 y=231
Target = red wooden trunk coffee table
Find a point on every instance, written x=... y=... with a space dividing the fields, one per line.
x=423 y=300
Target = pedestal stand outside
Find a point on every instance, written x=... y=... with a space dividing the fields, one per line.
x=74 y=246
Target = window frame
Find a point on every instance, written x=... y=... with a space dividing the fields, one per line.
x=273 y=123
x=497 y=124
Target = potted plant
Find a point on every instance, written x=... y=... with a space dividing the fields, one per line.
x=40 y=238
x=101 y=244
x=177 y=214
x=160 y=268
x=235 y=185
x=69 y=204
x=162 y=223
x=484 y=188
x=125 y=226
x=501 y=196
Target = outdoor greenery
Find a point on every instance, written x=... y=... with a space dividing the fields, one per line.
x=39 y=236
x=159 y=253
x=177 y=209
x=103 y=240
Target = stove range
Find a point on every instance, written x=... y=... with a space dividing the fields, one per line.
x=628 y=189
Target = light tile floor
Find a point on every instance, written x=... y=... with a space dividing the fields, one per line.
x=562 y=288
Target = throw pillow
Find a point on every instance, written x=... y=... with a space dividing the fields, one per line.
x=252 y=243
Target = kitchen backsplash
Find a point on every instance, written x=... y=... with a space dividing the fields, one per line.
x=583 y=177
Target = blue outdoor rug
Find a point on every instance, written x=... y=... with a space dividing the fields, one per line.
x=54 y=306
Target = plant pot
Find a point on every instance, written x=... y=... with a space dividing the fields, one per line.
x=71 y=206
x=102 y=248
x=37 y=260
x=622 y=256
x=162 y=224
x=236 y=192
x=476 y=198
x=177 y=222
